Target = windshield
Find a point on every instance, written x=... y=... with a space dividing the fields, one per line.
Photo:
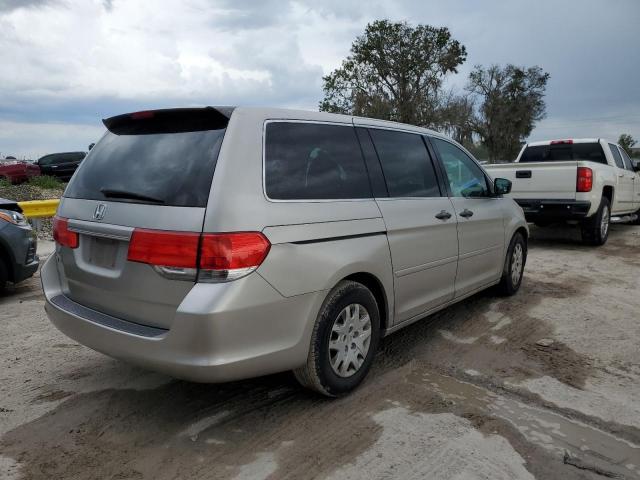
x=173 y=169
x=591 y=152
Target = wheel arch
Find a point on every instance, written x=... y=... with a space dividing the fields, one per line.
x=377 y=289
x=608 y=192
x=6 y=256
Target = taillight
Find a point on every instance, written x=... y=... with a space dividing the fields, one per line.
x=62 y=235
x=584 y=179
x=227 y=256
x=208 y=257
x=168 y=249
x=562 y=142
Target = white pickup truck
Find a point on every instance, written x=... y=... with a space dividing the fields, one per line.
x=589 y=181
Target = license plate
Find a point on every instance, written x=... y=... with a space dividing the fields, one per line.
x=102 y=252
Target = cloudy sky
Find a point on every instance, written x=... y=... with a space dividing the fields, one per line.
x=65 y=64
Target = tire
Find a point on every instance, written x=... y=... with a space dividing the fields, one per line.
x=4 y=275
x=637 y=220
x=513 y=266
x=329 y=371
x=595 y=230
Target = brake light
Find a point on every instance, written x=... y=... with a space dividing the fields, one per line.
x=561 y=142
x=141 y=115
x=584 y=179
x=226 y=256
x=163 y=248
x=62 y=235
x=209 y=257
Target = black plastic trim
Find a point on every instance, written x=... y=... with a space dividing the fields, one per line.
x=341 y=237
x=66 y=304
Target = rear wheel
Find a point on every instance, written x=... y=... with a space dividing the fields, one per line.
x=595 y=230
x=344 y=341
x=513 y=266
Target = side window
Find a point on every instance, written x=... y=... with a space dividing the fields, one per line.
x=312 y=161
x=466 y=178
x=378 y=184
x=46 y=160
x=616 y=155
x=625 y=158
x=406 y=164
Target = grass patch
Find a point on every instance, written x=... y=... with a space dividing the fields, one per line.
x=4 y=183
x=45 y=181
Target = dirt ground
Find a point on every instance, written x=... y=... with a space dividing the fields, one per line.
x=542 y=385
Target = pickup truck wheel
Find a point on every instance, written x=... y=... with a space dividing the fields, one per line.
x=595 y=230
x=513 y=266
x=4 y=275
x=344 y=341
x=637 y=220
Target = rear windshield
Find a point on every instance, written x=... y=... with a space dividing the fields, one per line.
x=591 y=152
x=174 y=168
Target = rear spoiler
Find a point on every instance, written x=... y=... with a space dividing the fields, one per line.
x=171 y=120
x=10 y=205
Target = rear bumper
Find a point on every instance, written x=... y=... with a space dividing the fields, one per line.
x=536 y=210
x=221 y=332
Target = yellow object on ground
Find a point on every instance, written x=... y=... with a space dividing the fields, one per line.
x=39 y=208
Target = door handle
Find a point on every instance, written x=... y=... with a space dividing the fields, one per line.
x=443 y=215
x=466 y=213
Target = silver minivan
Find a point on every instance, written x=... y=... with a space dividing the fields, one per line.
x=216 y=244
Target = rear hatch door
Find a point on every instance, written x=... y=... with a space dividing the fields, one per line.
x=152 y=170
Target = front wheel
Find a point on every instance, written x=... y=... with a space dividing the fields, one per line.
x=595 y=230
x=344 y=341
x=4 y=275
x=513 y=266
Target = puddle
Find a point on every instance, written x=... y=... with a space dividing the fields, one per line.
x=551 y=431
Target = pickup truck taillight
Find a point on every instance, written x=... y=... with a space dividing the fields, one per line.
x=584 y=179
x=207 y=257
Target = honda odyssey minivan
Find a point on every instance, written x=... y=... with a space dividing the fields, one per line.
x=216 y=244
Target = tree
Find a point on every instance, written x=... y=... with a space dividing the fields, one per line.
x=627 y=142
x=511 y=101
x=394 y=72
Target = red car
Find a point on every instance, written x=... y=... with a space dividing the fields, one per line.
x=16 y=171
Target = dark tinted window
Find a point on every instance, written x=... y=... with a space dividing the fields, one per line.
x=627 y=161
x=616 y=155
x=466 y=178
x=406 y=164
x=307 y=161
x=591 y=152
x=58 y=158
x=373 y=164
x=174 y=168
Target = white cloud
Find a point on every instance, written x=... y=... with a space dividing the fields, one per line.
x=28 y=140
x=76 y=61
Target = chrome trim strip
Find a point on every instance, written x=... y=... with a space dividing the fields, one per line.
x=95 y=229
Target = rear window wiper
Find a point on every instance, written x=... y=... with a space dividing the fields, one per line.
x=115 y=193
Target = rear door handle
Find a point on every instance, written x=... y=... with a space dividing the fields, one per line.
x=466 y=213
x=443 y=215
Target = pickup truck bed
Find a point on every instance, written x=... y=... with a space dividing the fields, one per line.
x=583 y=180
x=541 y=189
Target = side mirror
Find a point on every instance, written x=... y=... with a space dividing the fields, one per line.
x=501 y=186
x=635 y=164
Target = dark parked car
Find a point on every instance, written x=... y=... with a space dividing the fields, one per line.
x=16 y=171
x=18 y=244
x=60 y=165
